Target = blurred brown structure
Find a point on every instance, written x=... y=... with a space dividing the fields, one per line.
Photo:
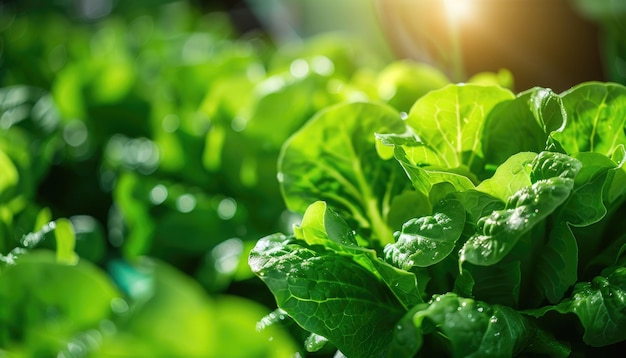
x=543 y=42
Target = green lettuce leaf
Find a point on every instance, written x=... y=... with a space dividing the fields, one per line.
x=596 y=118
x=559 y=259
x=327 y=292
x=469 y=328
x=451 y=122
x=500 y=283
x=423 y=167
x=323 y=226
x=521 y=124
x=599 y=305
x=510 y=176
x=426 y=240
x=478 y=204
x=616 y=181
x=333 y=158
x=444 y=141
x=557 y=264
x=552 y=176
x=586 y=204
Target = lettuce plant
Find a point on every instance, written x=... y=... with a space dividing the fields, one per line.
x=483 y=223
x=152 y=140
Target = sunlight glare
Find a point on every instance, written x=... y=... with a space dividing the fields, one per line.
x=458 y=9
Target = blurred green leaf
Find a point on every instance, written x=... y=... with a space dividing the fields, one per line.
x=45 y=303
x=177 y=319
x=65 y=241
x=401 y=83
x=503 y=78
x=239 y=335
x=10 y=176
x=171 y=315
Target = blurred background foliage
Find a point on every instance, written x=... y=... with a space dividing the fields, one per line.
x=610 y=17
x=138 y=148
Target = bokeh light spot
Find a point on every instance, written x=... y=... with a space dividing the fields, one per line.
x=158 y=194
x=186 y=203
x=227 y=208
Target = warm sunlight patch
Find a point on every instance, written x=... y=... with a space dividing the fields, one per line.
x=459 y=9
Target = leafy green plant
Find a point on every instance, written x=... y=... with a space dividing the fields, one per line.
x=138 y=169
x=501 y=238
x=138 y=158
